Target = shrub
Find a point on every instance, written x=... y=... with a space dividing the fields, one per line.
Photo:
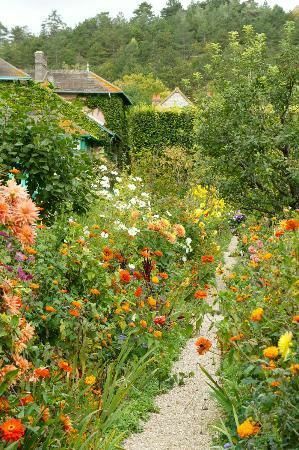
x=156 y=128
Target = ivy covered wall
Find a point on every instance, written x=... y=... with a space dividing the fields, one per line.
x=157 y=128
x=115 y=111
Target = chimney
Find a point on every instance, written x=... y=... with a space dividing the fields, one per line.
x=40 y=66
x=156 y=99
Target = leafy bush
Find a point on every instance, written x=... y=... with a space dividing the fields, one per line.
x=33 y=143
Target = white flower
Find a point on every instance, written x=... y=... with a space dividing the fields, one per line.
x=86 y=231
x=188 y=241
x=184 y=259
x=120 y=225
x=141 y=204
x=144 y=194
x=132 y=187
x=168 y=213
x=71 y=220
x=131 y=266
x=118 y=179
x=133 y=231
x=105 y=182
x=104 y=235
x=133 y=201
x=116 y=191
x=103 y=168
x=156 y=216
x=114 y=172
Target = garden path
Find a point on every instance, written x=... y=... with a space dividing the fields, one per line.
x=186 y=412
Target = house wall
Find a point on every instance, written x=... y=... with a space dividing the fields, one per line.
x=176 y=99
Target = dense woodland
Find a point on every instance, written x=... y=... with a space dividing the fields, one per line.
x=145 y=43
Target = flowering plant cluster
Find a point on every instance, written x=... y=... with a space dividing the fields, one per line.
x=78 y=295
x=259 y=338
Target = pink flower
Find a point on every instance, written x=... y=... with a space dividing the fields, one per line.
x=252 y=249
x=13 y=192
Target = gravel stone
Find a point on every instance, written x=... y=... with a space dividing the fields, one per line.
x=186 y=412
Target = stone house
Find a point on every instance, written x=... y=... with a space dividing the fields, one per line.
x=176 y=99
x=101 y=100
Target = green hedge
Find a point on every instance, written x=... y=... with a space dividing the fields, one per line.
x=157 y=128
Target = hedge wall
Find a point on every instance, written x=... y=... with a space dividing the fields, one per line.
x=156 y=128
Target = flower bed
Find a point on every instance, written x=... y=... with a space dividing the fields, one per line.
x=259 y=340
x=96 y=305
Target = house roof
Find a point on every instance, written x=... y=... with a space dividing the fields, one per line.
x=9 y=72
x=82 y=82
x=176 y=91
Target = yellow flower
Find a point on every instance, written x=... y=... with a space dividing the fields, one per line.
x=257 y=314
x=284 y=344
x=157 y=334
x=155 y=280
x=152 y=302
x=90 y=380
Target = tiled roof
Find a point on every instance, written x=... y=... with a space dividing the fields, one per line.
x=82 y=82
x=9 y=72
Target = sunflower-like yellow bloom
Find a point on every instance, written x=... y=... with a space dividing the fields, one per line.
x=284 y=344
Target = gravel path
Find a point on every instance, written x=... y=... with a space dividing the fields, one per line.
x=186 y=412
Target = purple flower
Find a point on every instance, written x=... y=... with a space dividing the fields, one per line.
x=5 y=235
x=20 y=256
x=227 y=445
x=24 y=276
x=122 y=337
x=9 y=268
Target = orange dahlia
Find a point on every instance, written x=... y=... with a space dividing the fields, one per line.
x=237 y=337
x=124 y=276
x=207 y=259
x=257 y=314
x=248 y=428
x=12 y=430
x=41 y=372
x=138 y=292
x=271 y=352
x=203 y=345
x=26 y=212
x=292 y=224
x=200 y=294
x=64 y=365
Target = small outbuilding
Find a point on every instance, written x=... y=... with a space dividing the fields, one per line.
x=176 y=100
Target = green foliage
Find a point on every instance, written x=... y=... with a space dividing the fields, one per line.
x=33 y=141
x=141 y=88
x=156 y=128
x=250 y=123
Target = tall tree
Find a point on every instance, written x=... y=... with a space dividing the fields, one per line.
x=52 y=24
x=249 y=126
